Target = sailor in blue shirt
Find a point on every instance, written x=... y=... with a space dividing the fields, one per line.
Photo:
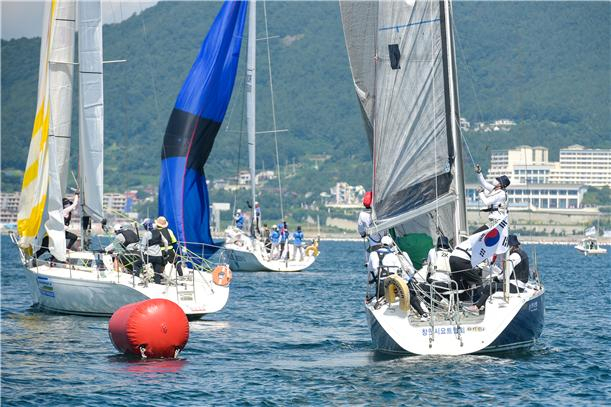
x=275 y=239
x=239 y=219
x=298 y=244
x=284 y=239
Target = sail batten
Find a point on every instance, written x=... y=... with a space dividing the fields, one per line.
x=193 y=125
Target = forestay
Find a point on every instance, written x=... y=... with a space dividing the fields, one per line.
x=403 y=77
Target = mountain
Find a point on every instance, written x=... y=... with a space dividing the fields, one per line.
x=543 y=64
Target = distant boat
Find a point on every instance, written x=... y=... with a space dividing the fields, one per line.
x=403 y=65
x=86 y=282
x=589 y=246
x=243 y=250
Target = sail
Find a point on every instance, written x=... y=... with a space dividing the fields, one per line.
x=61 y=71
x=91 y=112
x=195 y=120
x=404 y=80
x=36 y=175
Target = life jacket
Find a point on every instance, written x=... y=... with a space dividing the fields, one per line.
x=155 y=238
x=298 y=237
x=169 y=236
x=522 y=270
x=129 y=236
x=275 y=236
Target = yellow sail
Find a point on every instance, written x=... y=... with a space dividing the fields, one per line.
x=35 y=178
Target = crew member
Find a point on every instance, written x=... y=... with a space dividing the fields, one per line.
x=298 y=244
x=519 y=262
x=365 y=222
x=284 y=240
x=126 y=241
x=239 y=219
x=151 y=243
x=460 y=265
x=493 y=195
x=169 y=254
x=275 y=239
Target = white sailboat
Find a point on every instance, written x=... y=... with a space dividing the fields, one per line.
x=403 y=65
x=83 y=282
x=243 y=250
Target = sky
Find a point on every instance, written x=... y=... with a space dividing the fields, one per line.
x=23 y=18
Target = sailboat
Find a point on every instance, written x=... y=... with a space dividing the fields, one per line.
x=243 y=250
x=86 y=281
x=403 y=66
x=589 y=245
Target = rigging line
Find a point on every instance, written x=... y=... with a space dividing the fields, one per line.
x=271 y=90
x=152 y=69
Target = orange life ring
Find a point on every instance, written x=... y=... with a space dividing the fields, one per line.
x=221 y=275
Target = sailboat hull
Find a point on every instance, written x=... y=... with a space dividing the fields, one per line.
x=508 y=327
x=240 y=259
x=100 y=293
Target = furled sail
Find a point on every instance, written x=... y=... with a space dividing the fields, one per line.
x=50 y=145
x=193 y=125
x=61 y=70
x=403 y=69
x=91 y=112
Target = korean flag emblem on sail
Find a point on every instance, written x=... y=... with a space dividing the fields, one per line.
x=490 y=242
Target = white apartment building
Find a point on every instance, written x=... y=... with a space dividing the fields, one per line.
x=9 y=207
x=346 y=195
x=531 y=165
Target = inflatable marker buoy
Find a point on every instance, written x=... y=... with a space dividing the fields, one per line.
x=156 y=328
x=221 y=275
x=395 y=286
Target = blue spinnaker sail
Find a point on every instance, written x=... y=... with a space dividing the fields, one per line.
x=192 y=128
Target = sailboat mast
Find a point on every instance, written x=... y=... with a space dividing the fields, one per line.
x=461 y=211
x=251 y=62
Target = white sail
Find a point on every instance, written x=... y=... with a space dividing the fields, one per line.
x=91 y=112
x=403 y=77
x=61 y=70
x=251 y=63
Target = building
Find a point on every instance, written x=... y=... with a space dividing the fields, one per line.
x=531 y=165
x=346 y=196
x=9 y=207
x=541 y=196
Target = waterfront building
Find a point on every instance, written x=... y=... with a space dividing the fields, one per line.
x=346 y=196
x=531 y=165
x=9 y=207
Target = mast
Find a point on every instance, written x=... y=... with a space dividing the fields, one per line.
x=251 y=62
x=461 y=212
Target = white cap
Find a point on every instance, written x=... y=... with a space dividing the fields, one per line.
x=387 y=241
x=239 y=211
x=117 y=227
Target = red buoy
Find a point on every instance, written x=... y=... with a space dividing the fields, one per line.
x=154 y=328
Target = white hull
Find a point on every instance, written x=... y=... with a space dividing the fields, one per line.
x=505 y=326
x=89 y=291
x=588 y=252
x=242 y=259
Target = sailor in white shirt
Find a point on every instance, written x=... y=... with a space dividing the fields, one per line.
x=493 y=195
x=365 y=221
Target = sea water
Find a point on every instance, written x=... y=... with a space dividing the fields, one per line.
x=302 y=338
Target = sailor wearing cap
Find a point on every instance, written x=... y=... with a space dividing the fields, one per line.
x=493 y=195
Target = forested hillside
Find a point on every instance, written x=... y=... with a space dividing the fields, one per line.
x=543 y=64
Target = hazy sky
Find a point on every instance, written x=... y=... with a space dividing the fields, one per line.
x=23 y=18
